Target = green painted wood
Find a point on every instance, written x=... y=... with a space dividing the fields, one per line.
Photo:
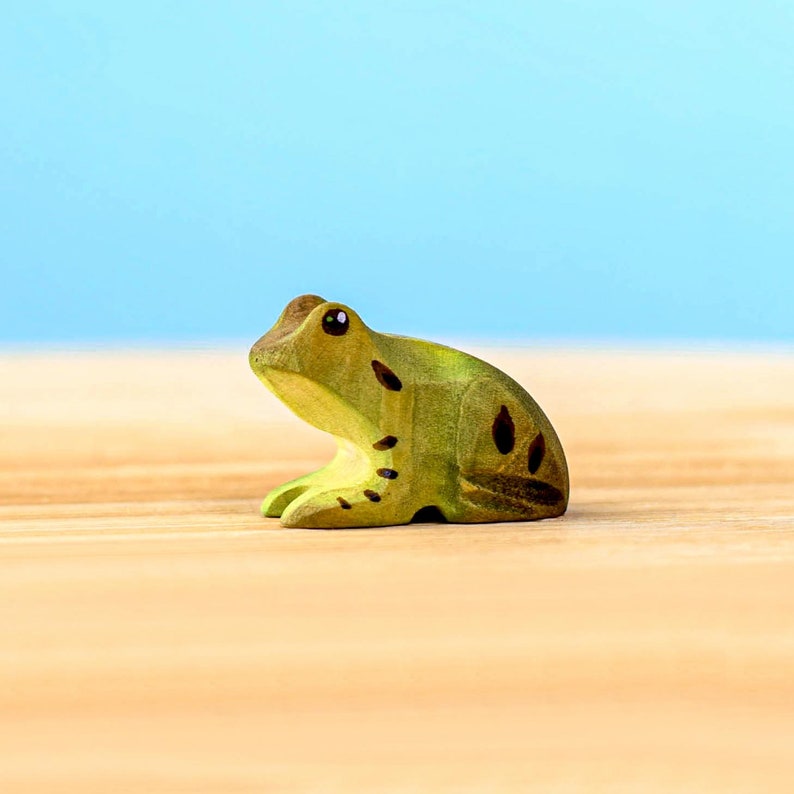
x=419 y=426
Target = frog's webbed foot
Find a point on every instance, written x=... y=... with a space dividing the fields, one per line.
x=367 y=504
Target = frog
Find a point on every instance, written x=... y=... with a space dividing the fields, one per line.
x=425 y=433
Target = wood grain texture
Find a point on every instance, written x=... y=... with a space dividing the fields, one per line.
x=158 y=635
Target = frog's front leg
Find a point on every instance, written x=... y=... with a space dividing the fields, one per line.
x=374 y=502
x=277 y=501
x=279 y=498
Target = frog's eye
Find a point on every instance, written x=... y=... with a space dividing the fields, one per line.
x=335 y=322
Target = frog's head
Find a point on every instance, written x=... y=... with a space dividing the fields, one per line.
x=316 y=359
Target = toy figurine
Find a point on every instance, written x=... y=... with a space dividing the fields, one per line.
x=424 y=431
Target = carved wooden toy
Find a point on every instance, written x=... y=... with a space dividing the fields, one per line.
x=424 y=431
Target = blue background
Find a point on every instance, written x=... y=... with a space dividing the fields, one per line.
x=566 y=170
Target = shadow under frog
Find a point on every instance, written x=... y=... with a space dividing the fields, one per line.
x=421 y=428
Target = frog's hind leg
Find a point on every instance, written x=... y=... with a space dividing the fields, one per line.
x=511 y=464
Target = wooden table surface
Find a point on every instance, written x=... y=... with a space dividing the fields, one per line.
x=158 y=635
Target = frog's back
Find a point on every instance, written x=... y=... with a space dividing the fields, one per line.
x=505 y=460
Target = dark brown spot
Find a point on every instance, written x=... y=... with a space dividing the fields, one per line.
x=373 y=496
x=537 y=449
x=389 y=474
x=386 y=377
x=345 y=505
x=387 y=442
x=504 y=431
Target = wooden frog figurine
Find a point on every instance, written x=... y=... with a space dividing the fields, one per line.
x=424 y=431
